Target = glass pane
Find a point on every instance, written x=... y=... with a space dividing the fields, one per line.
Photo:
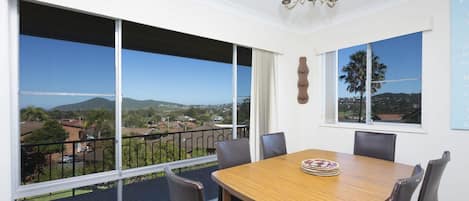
x=173 y=107
x=63 y=51
x=244 y=100
x=398 y=58
x=62 y=66
x=396 y=86
x=104 y=191
x=398 y=102
x=65 y=136
x=351 y=84
x=153 y=187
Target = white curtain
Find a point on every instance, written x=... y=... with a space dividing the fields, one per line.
x=263 y=98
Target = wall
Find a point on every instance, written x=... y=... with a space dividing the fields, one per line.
x=413 y=145
x=5 y=147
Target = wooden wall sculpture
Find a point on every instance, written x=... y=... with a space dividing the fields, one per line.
x=303 y=81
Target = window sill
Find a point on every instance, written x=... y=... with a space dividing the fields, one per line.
x=416 y=129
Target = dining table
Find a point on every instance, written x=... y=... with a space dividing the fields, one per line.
x=282 y=179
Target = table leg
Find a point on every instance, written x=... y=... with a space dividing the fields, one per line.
x=226 y=195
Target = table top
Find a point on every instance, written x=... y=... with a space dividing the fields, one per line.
x=281 y=178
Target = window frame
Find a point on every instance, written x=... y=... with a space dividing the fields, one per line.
x=118 y=174
x=369 y=123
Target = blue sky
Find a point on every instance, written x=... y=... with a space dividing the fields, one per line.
x=48 y=65
x=403 y=58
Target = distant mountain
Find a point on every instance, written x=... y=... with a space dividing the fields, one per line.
x=127 y=104
x=132 y=104
x=93 y=103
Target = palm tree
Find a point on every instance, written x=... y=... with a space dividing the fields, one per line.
x=355 y=75
x=32 y=113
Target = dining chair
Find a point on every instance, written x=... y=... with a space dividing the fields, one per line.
x=376 y=145
x=232 y=153
x=405 y=188
x=431 y=181
x=273 y=144
x=182 y=189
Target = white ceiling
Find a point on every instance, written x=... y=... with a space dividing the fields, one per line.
x=305 y=18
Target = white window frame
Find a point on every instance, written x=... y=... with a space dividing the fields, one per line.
x=36 y=189
x=369 y=124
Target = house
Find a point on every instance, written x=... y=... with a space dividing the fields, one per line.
x=390 y=117
x=217 y=118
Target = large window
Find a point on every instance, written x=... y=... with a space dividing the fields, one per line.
x=177 y=95
x=112 y=97
x=376 y=82
x=67 y=122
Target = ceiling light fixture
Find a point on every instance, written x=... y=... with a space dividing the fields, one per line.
x=292 y=3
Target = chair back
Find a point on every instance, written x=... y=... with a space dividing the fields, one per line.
x=181 y=189
x=273 y=144
x=405 y=188
x=433 y=174
x=233 y=153
x=376 y=145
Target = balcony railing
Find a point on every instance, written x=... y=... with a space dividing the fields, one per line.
x=51 y=161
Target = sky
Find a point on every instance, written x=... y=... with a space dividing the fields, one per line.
x=49 y=65
x=403 y=58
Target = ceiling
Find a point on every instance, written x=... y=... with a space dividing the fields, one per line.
x=305 y=18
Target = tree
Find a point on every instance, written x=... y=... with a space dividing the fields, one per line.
x=32 y=163
x=101 y=120
x=132 y=119
x=51 y=132
x=244 y=111
x=355 y=75
x=32 y=113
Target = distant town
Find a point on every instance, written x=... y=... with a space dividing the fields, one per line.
x=386 y=107
x=76 y=139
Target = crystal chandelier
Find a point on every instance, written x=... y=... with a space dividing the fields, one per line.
x=292 y=3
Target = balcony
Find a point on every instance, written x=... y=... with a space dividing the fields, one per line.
x=89 y=156
x=149 y=190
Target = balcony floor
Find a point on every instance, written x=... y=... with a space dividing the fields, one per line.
x=152 y=190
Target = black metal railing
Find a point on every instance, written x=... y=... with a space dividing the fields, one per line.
x=50 y=161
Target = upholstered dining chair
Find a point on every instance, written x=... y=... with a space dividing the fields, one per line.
x=273 y=144
x=182 y=189
x=433 y=174
x=405 y=188
x=232 y=153
x=376 y=145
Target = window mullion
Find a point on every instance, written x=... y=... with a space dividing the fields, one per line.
x=369 y=70
x=234 y=109
x=118 y=106
x=336 y=71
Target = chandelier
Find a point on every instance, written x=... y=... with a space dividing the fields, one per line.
x=292 y=3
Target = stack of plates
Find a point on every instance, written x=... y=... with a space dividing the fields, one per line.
x=320 y=167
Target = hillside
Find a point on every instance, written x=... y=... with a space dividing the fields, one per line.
x=127 y=104
x=396 y=103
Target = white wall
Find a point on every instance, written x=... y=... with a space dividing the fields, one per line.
x=306 y=122
x=5 y=153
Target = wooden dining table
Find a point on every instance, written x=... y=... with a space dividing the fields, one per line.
x=281 y=179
